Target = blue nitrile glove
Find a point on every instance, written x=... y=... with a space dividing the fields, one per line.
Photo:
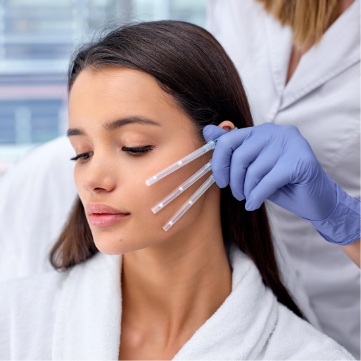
x=275 y=162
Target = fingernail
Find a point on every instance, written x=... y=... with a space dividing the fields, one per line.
x=248 y=206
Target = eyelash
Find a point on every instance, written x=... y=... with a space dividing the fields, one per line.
x=133 y=151
x=138 y=151
x=82 y=156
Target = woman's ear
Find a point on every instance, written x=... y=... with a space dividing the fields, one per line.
x=226 y=125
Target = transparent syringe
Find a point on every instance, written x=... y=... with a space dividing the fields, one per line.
x=185 y=185
x=196 y=176
x=182 y=162
x=196 y=195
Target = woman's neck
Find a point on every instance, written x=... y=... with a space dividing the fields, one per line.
x=344 y=4
x=297 y=53
x=169 y=291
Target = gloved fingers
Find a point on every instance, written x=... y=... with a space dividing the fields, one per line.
x=211 y=132
x=246 y=166
x=259 y=168
x=277 y=178
x=223 y=154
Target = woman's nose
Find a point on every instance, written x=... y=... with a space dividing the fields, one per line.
x=99 y=177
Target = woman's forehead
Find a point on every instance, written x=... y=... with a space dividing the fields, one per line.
x=117 y=92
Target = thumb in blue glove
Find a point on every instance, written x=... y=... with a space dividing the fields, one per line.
x=275 y=162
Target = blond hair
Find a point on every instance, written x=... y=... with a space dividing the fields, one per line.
x=308 y=19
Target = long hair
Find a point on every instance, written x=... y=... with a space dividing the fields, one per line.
x=191 y=65
x=308 y=19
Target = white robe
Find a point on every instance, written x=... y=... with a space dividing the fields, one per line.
x=77 y=315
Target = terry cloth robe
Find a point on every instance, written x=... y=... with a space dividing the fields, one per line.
x=76 y=315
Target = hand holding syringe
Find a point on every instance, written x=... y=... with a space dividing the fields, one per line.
x=199 y=174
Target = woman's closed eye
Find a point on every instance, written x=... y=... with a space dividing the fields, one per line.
x=82 y=156
x=138 y=151
x=133 y=151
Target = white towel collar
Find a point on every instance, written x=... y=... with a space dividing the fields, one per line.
x=88 y=322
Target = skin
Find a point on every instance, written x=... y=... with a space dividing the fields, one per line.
x=353 y=251
x=177 y=279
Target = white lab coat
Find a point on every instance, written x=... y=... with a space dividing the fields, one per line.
x=322 y=99
x=76 y=315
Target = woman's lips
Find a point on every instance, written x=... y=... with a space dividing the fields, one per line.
x=101 y=215
x=105 y=220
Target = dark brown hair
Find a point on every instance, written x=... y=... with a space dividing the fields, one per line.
x=191 y=65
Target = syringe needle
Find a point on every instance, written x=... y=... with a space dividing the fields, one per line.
x=185 y=185
x=196 y=195
x=182 y=162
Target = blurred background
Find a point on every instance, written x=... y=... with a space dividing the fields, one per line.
x=37 y=38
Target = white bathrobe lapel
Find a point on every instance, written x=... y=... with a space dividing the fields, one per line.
x=88 y=318
x=250 y=324
x=87 y=324
x=240 y=328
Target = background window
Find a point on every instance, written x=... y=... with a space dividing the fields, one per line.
x=37 y=38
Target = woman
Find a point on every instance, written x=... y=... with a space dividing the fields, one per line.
x=206 y=289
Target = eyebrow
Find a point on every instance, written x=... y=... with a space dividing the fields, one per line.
x=116 y=124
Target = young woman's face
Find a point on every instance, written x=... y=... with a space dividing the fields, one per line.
x=124 y=129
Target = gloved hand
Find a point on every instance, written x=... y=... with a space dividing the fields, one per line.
x=275 y=162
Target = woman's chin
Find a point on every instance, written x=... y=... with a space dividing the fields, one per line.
x=110 y=246
x=117 y=246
